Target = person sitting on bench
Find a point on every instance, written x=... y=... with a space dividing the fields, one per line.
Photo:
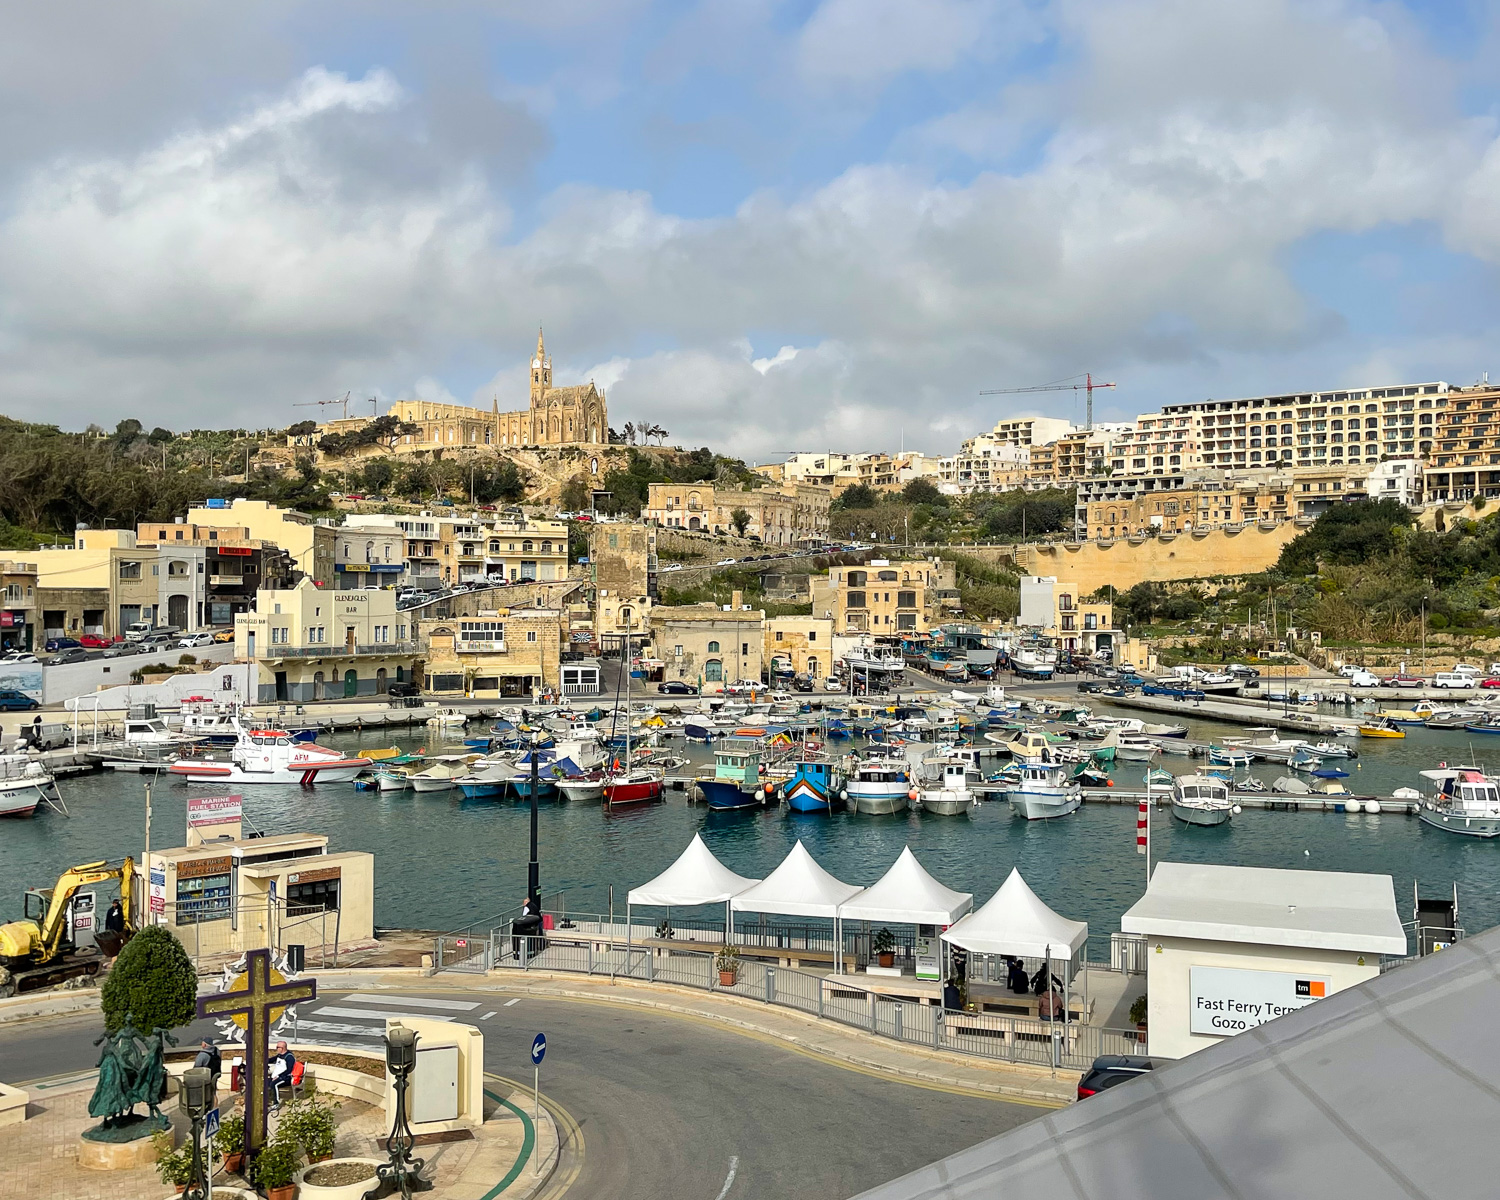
x=279 y=1070
x=528 y=925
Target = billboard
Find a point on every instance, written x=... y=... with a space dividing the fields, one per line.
x=213 y=810
x=1225 y=1001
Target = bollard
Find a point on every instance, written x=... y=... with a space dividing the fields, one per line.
x=770 y=984
x=897 y=1033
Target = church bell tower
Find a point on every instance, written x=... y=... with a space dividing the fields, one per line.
x=541 y=372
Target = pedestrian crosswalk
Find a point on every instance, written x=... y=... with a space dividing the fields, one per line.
x=362 y=1016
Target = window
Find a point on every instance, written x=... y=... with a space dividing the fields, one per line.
x=488 y=633
x=130 y=570
x=906 y=599
x=744 y=648
x=854 y=600
x=713 y=647
x=812 y=635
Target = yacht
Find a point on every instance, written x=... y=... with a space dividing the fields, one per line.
x=23 y=785
x=1201 y=800
x=1135 y=747
x=1465 y=801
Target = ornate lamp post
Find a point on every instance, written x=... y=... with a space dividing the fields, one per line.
x=533 y=868
x=402 y=1172
x=195 y=1097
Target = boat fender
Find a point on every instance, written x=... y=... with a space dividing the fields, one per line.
x=912 y=795
x=1372 y=807
x=760 y=795
x=1109 y=783
x=843 y=793
x=1236 y=810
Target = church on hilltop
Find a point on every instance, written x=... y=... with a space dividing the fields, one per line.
x=557 y=416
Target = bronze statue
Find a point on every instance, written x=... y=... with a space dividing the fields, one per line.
x=132 y=1070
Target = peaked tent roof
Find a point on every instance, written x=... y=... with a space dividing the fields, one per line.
x=697 y=877
x=1016 y=921
x=908 y=894
x=1301 y=1106
x=798 y=888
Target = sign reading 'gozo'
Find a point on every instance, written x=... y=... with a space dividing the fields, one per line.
x=1226 y=1001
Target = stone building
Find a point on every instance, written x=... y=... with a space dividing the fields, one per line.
x=622 y=568
x=881 y=597
x=709 y=646
x=103 y=583
x=556 y=416
x=796 y=514
x=505 y=653
x=805 y=644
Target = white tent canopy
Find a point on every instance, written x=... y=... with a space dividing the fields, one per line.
x=1015 y=921
x=798 y=887
x=697 y=877
x=909 y=895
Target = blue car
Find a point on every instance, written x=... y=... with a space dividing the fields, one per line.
x=63 y=643
x=14 y=701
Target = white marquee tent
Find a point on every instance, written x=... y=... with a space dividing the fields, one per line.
x=908 y=895
x=697 y=877
x=800 y=888
x=1015 y=921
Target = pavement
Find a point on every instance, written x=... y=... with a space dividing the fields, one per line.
x=665 y=1094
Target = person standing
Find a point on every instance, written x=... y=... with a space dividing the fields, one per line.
x=208 y=1056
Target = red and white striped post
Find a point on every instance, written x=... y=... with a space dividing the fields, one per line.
x=1143 y=828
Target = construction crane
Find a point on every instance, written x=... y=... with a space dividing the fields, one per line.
x=1061 y=385
x=40 y=949
x=321 y=403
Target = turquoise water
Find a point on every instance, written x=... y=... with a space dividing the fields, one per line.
x=442 y=861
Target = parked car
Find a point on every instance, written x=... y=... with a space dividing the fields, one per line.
x=12 y=700
x=1403 y=681
x=196 y=639
x=18 y=656
x=72 y=654
x=831 y=684
x=1110 y=1070
x=121 y=650
x=1453 y=679
x=94 y=641
x=725 y=562
x=60 y=643
x=1363 y=678
x=672 y=567
x=223 y=635
x=403 y=689
x=1490 y=683
x=676 y=687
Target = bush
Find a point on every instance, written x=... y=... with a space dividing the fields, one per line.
x=152 y=981
x=1138 y=1011
x=309 y=1124
x=727 y=959
x=277 y=1162
x=173 y=1166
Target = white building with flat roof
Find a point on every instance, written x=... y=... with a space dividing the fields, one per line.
x=1230 y=948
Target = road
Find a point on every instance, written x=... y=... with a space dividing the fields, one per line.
x=666 y=1103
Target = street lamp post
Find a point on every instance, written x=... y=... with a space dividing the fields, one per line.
x=533 y=868
x=194 y=1099
x=403 y=1172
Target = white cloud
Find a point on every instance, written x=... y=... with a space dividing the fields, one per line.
x=784 y=355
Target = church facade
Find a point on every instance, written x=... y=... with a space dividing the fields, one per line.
x=556 y=416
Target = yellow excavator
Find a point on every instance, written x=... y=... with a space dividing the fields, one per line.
x=42 y=950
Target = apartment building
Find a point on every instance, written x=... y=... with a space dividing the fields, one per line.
x=881 y=597
x=308 y=541
x=207 y=576
x=504 y=654
x=18 y=605
x=103 y=583
x=1463 y=459
x=1031 y=431
x=314 y=643
x=794 y=515
x=443 y=551
x=368 y=554
x=1055 y=609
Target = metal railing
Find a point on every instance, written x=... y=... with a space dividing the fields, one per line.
x=604 y=946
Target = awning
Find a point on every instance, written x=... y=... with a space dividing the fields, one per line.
x=797 y=888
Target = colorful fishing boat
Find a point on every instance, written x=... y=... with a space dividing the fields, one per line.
x=814 y=786
x=736 y=779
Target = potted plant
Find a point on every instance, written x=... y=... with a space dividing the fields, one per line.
x=276 y=1168
x=1138 y=1016
x=174 y=1166
x=230 y=1143
x=727 y=960
x=883 y=947
x=309 y=1123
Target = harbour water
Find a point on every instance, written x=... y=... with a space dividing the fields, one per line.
x=442 y=861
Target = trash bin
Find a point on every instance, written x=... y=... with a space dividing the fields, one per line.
x=296 y=957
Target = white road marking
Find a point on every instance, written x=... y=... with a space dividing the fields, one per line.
x=487 y=1016
x=734 y=1166
x=333 y=1010
x=414 y=1001
x=508 y=1003
x=369 y=1031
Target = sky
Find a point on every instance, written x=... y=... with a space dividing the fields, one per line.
x=765 y=225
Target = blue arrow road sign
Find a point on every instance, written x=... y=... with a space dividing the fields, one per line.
x=211 y=1123
x=539 y=1048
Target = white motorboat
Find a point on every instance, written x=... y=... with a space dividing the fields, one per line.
x=1201 y=800
x=1134 y=747
x=951 y=796
x=582 y=787
x=271 y=756
x=878 y=787
x=1264 y=743
x=1034 y=664
x=438 y=776
x=1466 y=801
x=1043 y=792
x=23 y=785
x=448 y=718
x=1028 y=746
x=392 y=779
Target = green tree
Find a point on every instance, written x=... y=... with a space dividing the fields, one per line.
x=376 y=475
x=301 y=428
x=160 y=435
x=575 y=494
x=740 y=519
x=860 y=495
x=922 y=491
x=152 y=981
x=1352 y=533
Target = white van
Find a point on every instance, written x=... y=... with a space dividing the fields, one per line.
x=1359 y=677
x=1453 y=679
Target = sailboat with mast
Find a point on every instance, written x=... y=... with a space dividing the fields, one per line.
x=630 y=784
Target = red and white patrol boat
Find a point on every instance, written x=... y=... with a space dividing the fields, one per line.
x=271 y=756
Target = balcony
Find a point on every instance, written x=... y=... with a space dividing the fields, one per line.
x=480 y=647
x=231 y=581
x=337 y=650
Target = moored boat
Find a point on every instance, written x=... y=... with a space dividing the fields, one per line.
x=23 y=785
x=736 y=779
x=272 y=756
x=1466 y=802
x=814 y=786
x=1201 y=800
x=951 y=796
x=878 y=787
x=1043 y=792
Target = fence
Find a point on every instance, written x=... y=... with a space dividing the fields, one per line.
x=602 y=946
